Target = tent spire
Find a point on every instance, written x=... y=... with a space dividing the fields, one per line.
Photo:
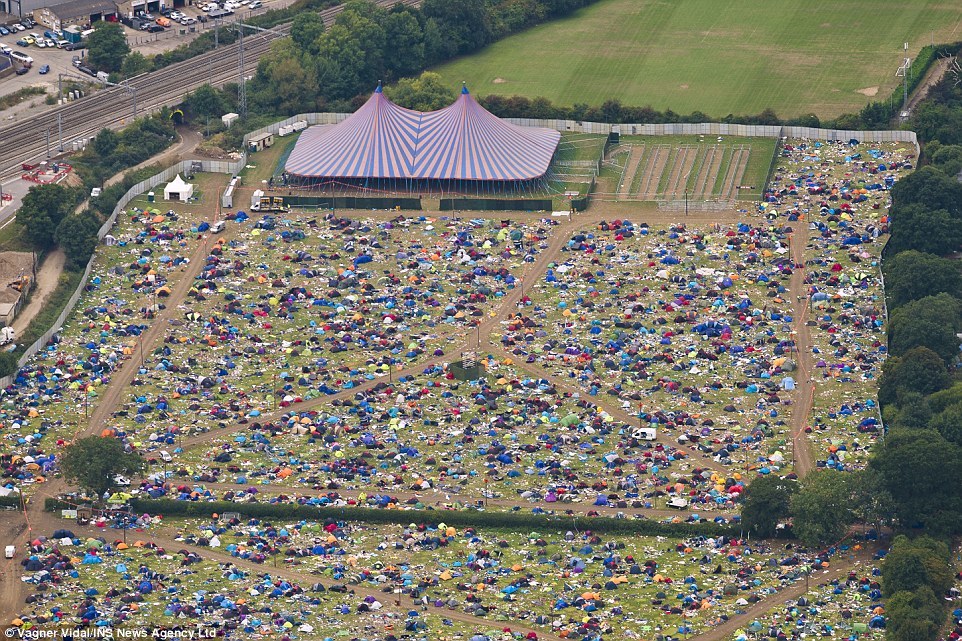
x=464 y=88
x=379 y=89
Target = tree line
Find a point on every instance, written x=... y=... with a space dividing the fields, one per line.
x=912 y=479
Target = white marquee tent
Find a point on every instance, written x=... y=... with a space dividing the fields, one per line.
x=177 y=189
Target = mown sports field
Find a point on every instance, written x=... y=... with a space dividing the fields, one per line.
x=716 y=56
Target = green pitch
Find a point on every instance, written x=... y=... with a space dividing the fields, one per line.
x=716 y=56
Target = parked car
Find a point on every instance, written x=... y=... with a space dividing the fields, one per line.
x=5 y=50
x=74 y=46
x=257 y=4
x=154 y=28
x=4 y=31
x=22 y=70
x=22 y=42
x=44 y=70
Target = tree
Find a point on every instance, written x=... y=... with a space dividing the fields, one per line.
x=930 y=188
x=921 y=471
x=873 y=503
x=914 y=563
x=107 y=46
x=41 y=211
x=135 y=64
x=939 y=401
x=343 y=63
x=920 y=371
x=94 y=461
x=931 y=322
x=911 y=275
x=765 y=503
x=427 y=92
x=284 y=85
x=916 y=226
x=8 y=363
x=462 y=23
x=915 y=411
x=913 y=616
x=948 y=423
x=206 y=101
x=948 y=158
x=402 y=30
x=105 y=143
x=77 y=236
x=822 y=508
x=306 y=28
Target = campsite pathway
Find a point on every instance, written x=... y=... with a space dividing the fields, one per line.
x=840 y=567
x=443 y=500
x=805 y=387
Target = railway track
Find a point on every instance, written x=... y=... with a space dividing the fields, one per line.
x=27 y=140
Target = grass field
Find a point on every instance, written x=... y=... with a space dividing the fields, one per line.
x=715 y=56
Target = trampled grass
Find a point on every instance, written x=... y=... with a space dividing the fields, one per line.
x=716 y=56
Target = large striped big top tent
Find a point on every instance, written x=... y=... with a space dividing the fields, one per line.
x=460 y=142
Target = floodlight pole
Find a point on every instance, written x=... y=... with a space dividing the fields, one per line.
x=905 y=78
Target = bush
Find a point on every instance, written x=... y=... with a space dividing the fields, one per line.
x=466 y=518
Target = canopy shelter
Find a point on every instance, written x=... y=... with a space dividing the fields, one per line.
x=460 y=143
x=178 y=189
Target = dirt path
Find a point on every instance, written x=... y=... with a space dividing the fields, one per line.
x=685 y=167
x=653 y=171
x=934 y=75
x=805 y=386
x=706 y=184
x=634 y=159
x=615 y=412
x=838 y=569
x=736 y=170
x=48 y=277
x=439 y=498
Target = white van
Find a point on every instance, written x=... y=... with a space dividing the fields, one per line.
x=22 y=58
x=678 y=503
x=9 y=552
x=645 y=433
x=218 y=227
x=165 y=456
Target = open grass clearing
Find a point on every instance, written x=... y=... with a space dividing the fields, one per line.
x=731 y=57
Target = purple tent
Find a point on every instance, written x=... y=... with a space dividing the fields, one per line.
x=460 y=142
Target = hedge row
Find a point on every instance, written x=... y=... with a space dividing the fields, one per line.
x=465 y=518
